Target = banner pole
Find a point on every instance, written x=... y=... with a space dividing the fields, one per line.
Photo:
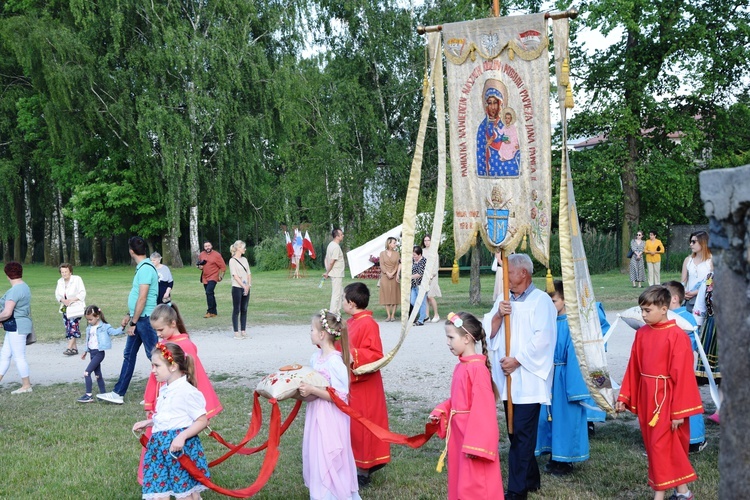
x=506 y=319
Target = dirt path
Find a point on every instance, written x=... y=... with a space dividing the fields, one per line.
x=421 y=369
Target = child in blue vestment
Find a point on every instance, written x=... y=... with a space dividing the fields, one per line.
x=593 y=412
x=697 y=424
x=562 y=430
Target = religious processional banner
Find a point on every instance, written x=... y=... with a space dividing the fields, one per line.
x=498 y=91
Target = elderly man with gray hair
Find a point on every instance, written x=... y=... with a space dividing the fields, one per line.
x=529 y=364
x=166 y=282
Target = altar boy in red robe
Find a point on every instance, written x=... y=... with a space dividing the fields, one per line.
x=659 y=387
x=366 y=393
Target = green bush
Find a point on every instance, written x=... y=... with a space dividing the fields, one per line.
x=270 y=254
x=672 y=261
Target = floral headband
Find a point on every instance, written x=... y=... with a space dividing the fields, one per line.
x=166 y=353
x=326 y=326
x=459 y=323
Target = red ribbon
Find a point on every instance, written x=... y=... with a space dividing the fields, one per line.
x=384 y=434
x=275 y=430
x=269 y=462
x=252 y=431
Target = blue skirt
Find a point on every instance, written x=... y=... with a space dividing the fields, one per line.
x=163 y=474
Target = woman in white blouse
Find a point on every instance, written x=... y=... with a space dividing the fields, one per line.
x=70 y=290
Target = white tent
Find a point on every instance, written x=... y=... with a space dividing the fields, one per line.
x=359 y=258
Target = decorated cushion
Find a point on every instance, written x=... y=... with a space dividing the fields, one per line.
x=284 y=383
x=634 y=319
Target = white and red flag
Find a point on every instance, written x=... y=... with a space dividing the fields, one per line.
x=289 y=248
x=307 y=244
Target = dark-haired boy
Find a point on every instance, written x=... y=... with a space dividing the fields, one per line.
x=366 y=393
x=659 y=387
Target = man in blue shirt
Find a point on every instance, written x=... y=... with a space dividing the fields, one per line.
x=141 y=302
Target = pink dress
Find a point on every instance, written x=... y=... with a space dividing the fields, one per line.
x=327 y=460
x=471 y=416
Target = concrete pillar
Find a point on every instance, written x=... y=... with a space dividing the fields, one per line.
x=726 y=198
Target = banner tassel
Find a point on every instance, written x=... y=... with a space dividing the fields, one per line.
x=565 y=73
x=550 y=282
x=569 y=97
x=454 y=272
x=523 y=244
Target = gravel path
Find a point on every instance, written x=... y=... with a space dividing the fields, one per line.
x=421 y=369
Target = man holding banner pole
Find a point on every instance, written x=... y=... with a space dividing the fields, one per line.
x=528 y=364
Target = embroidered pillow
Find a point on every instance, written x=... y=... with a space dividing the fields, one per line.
x=634 y=319
x=284 y=383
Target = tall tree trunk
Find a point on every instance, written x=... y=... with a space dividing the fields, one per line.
x=47 y=232
x=17 y=248
x=54 y=241
x=63 y=235
x=475 y=284
x=7 y=257
x=29 y=258
x=109 y=251
x=171 y=245
x=96 y=251
x=76 y=244
x=631 y=199
x=194 y=244
x=340 y=191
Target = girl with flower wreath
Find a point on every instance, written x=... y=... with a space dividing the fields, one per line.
x=468 y=419
x=179 y=417
x=327 y=460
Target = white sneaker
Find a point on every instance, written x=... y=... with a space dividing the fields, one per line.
x=22 y=390
x=435 y=319
x=110 y=397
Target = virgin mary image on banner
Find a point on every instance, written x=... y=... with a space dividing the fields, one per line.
x=497 y=141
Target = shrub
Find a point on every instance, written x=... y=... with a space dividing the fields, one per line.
x=270 y=254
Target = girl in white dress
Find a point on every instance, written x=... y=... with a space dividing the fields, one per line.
x=327 y=460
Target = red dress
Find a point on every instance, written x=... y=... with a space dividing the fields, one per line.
x=213 y=405
x=366 y=393
x=659 y=386
x=472 y=416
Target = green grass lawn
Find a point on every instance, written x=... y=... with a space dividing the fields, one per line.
x=54 y=447
x=274 y=297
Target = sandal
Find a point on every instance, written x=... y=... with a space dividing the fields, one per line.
x=70 y=352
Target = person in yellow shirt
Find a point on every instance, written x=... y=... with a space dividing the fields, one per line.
x=653 y=250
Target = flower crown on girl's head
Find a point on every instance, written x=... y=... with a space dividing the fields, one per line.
x=324 y=323
x=166 y=353
x=459 y=323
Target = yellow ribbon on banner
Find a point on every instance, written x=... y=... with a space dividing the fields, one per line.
x=410 y=205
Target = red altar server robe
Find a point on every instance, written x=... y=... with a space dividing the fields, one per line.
x=213 y=405
x=472 y=416
x=659 y=379
x=366 y=393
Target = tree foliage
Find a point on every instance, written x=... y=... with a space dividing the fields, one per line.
x=231 y=118
x=658 y=94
